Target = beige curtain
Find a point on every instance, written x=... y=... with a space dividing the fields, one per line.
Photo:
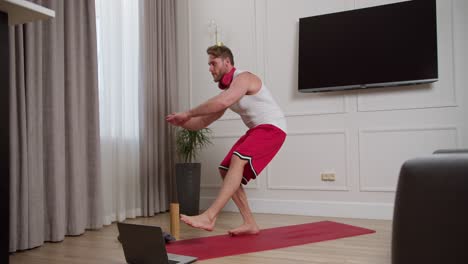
x=55 y=185
x=158 y=98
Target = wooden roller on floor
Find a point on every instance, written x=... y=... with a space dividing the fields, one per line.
x=175 y=220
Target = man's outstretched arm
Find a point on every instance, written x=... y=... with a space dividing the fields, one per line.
x=200 y=122
x=239 y=87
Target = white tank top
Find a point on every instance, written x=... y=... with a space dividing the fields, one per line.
x=260 y=108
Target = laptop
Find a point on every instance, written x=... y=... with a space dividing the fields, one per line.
x=144 y=244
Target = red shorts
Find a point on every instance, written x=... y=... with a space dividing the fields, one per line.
x=258 y=146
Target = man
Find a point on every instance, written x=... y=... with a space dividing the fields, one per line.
x=245 y=94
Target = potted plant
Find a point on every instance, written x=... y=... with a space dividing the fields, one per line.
x=188 y=145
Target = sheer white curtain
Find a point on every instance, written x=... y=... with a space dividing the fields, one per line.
x=119 y=68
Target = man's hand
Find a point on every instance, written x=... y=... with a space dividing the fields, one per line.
x=178 y=119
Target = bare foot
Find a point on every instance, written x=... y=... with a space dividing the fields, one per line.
x=201 y=221
x=245 y=229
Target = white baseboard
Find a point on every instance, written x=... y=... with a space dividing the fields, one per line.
x=380 y=211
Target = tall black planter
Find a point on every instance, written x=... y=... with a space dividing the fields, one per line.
x=188 y=187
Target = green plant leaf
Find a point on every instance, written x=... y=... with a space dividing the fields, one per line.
x=189 y=143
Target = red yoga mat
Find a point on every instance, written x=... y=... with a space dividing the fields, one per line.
x=272 y=238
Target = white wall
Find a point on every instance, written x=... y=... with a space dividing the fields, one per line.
x=362 y=136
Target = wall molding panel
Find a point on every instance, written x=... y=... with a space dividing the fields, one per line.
x=384 y=150
x=342 y=172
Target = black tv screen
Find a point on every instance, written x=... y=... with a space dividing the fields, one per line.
x=388 y=45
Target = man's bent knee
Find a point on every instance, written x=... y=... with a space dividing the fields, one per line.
x=237 y=161
x=222 y=173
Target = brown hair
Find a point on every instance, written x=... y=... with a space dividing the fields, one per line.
x=221 y=51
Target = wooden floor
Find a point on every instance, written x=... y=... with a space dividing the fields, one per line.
x=102 y=247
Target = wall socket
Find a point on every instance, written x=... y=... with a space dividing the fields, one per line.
x=327 y=176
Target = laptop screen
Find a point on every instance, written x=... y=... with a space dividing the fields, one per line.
x=143 y=244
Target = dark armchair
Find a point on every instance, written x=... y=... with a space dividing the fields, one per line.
x=430 y=221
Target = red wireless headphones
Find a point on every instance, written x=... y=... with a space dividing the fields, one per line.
x=226 y=80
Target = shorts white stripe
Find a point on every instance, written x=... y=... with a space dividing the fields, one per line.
x=248 y=159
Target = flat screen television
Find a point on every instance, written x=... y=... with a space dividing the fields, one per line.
x=381 y=46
